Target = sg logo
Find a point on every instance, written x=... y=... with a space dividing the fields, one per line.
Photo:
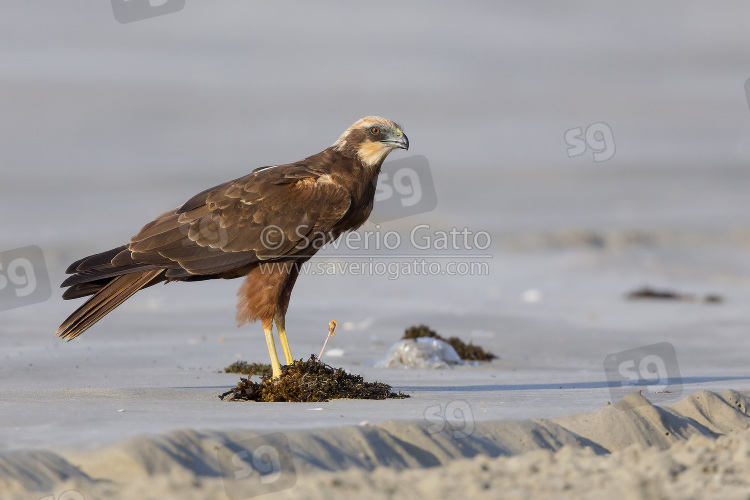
x=129 y=11
x=653 y=367
x=23 y=278
x=265 y=465
x=457 y=419
x=598 y=137
x=405 y=188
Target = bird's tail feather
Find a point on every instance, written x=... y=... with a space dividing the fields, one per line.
x=105 y=300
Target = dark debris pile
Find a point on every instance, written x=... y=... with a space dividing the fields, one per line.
x=309 y=381
x=653 y=294
x=245 y=368
x=467 y=352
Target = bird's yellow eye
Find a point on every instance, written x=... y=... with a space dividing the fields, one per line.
x=374 y=130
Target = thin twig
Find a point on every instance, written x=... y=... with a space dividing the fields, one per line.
x=331 y=332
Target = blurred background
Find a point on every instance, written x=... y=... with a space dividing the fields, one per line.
x=106 y=125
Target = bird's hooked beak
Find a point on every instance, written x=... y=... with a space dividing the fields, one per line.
x=398 y=140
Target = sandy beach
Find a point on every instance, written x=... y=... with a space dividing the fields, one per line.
x=582 y=153
x=696 y=448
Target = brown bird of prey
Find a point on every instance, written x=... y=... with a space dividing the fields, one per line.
x=262 y=226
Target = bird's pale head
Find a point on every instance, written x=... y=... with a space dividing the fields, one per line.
x=371 y=139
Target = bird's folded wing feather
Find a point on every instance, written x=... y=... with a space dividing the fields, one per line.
x=268 y=214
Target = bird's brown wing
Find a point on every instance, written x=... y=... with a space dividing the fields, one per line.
x=216 y=233
x=268 y=214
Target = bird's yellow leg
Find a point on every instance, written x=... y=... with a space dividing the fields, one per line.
x=282 y=337
x=275 y=365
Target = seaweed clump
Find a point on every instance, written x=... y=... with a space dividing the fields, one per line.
x=245 y=368
x=467 y=352
x=309 y=381
x=650 y=293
